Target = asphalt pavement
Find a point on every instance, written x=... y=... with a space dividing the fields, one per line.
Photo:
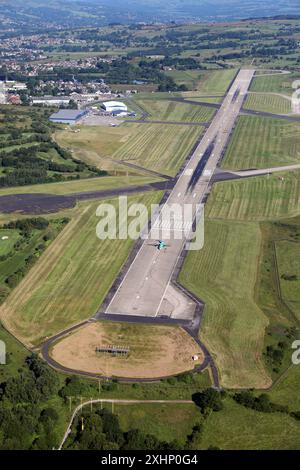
x=145 y=288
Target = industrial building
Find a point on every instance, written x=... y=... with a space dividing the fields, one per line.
x=114 y=107
x=51 y=100
x=68 y=116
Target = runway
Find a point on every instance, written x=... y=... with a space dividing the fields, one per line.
x=146 y=289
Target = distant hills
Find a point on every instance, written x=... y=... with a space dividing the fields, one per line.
x=35 y=13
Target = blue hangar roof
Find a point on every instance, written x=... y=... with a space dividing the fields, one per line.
x=68 y=115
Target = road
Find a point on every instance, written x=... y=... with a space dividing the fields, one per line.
x=146 y=288
x=117 y=402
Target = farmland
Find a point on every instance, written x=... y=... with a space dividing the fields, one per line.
x=270 y=103
x=164 y=110
x=70 y=280
x=260 y=142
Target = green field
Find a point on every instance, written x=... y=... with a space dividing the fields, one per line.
x=223 y=274
x=281 y=83
x=94 y=143
x=165 y=421
x=286 y=392
x=205 y=81
x=288 y=257
x=80 y=186
x=260 y=198
x=162 y=148
x=70 y=280
x=260 y=142
x=237 y=427
x=6 y=245
x=268 y=103
x=15 y=355
x=190 y=78
x=163 y=110
x=235 y=275
x=20 y=251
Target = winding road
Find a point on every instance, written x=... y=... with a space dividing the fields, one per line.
x=117 y=402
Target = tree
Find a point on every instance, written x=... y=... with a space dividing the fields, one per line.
x=209 y=399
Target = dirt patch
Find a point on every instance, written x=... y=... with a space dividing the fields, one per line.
x=155 y=351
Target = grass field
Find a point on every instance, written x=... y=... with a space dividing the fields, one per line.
x=286 y=392
x=93 y=143
x=70 y=280
x=6 y=245
x=167 y=422
x=268 y=103
x=274 y=83
x=236 y=427
x=79 y=186
x=235 y=273
x=260 y=142
x=206 y=82
x=288 y=256
x=223 y=274
x=20 y=251
x=15 y=356
x=189 y=78
x=260 y=198
x=17 y=260
x=162 y=148
x=163 y=110
x=155 y=350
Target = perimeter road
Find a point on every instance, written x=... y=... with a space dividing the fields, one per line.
x=118 y=402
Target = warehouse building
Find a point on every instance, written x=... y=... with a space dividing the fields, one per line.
x=51 y=100
x=68 y=116
x=114 y=107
